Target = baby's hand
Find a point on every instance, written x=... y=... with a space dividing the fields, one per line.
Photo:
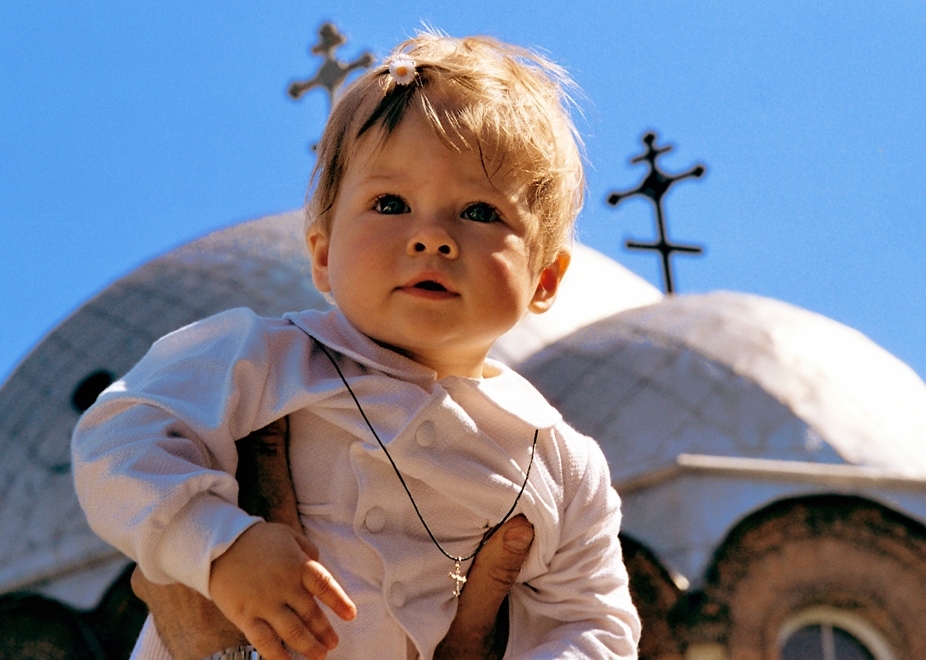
x=267 y=584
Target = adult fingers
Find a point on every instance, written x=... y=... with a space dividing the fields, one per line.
x=140 y=585
x=274 y=435
x=496 y=567
x=474 y=632
x=189 y=625
x=265 y=484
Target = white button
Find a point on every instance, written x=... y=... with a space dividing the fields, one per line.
x=426 y=434
x=375 y=519
x=397 y=594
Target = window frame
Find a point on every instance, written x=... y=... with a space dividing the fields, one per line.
x=862 y=630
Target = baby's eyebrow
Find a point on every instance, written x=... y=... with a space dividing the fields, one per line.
x=383 y=178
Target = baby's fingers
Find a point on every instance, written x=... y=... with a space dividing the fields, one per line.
x=311 y=620
x=309 y=632
x=321 y=584
x=266 y=641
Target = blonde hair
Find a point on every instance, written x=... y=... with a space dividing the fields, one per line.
x=509 y=104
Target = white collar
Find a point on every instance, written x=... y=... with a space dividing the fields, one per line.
x=334 y=330
x=508 y=391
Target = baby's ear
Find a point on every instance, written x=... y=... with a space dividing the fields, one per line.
x=318 y=249
x=548 y=283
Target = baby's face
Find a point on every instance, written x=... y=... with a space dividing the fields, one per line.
x=427 y=255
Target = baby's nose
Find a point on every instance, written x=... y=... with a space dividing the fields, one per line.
x=433 y=241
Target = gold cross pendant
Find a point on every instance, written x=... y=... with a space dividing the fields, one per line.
x=458 y=578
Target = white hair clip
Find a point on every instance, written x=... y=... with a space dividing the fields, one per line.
x=402 y=70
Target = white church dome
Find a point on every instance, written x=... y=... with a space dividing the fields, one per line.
x=261 y=264
x=731 y=374
x=712 y=407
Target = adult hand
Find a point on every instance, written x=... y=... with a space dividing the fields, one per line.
x=192 y=627
x=480 y=627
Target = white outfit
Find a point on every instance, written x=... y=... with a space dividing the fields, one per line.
x=154 y=465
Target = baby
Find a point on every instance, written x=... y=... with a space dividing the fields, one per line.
x=446 y=188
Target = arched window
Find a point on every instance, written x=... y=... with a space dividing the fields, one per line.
x=825 y=633
x=824 y=641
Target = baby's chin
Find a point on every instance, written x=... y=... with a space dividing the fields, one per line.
x=478 y=368
x=467 y=361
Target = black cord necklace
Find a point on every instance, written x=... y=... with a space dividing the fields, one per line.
x=457 y=576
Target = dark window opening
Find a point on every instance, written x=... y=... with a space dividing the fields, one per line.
x=90 y=388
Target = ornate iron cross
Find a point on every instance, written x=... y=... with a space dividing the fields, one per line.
x=332 y=72
x=655 y=186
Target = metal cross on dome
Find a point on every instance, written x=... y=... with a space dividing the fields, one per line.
x=332 y=72
x=655 y=186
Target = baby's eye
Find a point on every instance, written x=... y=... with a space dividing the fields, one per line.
x=390 y=205
x=481 y=212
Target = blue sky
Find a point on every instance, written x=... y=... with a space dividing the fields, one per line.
x=127 y=129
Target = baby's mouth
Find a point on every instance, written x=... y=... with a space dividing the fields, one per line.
x=430 y=285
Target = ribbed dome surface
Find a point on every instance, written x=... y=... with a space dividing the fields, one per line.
x=261 y=264
x=730 y=374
